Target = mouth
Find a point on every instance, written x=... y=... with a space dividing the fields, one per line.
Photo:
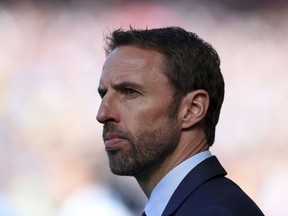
x=112 y=142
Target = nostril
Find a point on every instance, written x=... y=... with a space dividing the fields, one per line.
x=100 y=114
x=105 y=114
x=100 y=117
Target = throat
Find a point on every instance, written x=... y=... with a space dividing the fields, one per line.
x=150 y=177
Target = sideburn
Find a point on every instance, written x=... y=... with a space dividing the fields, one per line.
x=173 y=107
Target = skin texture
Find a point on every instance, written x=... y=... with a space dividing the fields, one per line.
x=140 y=138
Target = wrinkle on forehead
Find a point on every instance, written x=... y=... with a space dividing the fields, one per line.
x=134 y=64
x=142 y=57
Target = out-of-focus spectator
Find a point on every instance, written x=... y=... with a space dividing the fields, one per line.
x=81 y=187
x=93 y=200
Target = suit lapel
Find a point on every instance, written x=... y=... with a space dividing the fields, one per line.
x=204 y=171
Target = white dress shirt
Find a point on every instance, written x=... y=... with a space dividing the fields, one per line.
x=163 y=191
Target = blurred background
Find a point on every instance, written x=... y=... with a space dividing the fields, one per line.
x=52 y=159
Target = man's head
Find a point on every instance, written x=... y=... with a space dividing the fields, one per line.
x=138 y=132
x=190 y=64
x=161 y=95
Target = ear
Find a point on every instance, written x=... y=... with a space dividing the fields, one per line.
x=194 y=107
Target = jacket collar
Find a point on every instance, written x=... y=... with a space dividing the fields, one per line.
x=204 y=171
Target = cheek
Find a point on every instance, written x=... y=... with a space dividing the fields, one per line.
x=148 y=118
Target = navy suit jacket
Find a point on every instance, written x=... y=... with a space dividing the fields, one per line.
x=205 y=191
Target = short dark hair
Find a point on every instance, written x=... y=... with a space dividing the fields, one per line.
x=191 y=64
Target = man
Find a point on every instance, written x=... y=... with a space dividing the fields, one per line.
x=162 y=91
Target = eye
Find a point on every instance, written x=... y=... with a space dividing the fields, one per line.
x=130 y=92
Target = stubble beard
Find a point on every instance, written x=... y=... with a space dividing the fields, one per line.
x=151 y=146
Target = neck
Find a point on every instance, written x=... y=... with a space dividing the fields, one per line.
x=188 y=146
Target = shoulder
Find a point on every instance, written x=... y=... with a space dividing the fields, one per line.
x=219 y=196
x=206 y=190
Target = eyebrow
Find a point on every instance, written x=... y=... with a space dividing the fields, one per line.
x=120 y=86
x=127 y=84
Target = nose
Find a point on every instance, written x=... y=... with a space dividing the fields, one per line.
x=106 y=111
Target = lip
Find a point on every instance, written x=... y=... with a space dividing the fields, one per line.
x=112 y=141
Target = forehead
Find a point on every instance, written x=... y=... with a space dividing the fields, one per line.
x=132 y=62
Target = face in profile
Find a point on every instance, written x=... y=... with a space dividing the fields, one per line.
x=136 y=95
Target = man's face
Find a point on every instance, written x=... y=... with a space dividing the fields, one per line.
x=136 y=95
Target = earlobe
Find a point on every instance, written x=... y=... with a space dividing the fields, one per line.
x=194 y=107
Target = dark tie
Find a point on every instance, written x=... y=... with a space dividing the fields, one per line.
x=144 y=214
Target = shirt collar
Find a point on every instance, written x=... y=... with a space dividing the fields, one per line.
x=168 y=184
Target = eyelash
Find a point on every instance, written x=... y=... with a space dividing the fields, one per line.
x=126 y=91
x=129 y=91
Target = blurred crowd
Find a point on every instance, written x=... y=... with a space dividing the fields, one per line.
x=52 y=159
